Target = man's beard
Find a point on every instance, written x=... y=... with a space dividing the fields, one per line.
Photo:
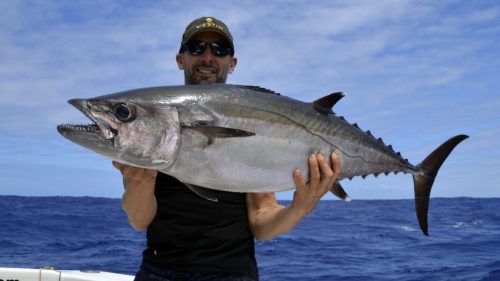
x=204 y=73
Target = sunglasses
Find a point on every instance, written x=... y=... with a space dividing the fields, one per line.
x=196 y=48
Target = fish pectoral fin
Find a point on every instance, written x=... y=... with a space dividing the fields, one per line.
x=202 y=192
x=221 y=132
x=215 y=131
x=339 y=191
x=325 y=104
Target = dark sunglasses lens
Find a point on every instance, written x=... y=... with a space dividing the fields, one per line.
x=197 y=48
x=219 y=51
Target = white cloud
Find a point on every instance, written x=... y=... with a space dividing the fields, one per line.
x=415 y=72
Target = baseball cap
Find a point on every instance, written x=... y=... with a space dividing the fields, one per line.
x=206 y=24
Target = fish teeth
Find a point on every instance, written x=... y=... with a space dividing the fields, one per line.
x=83 y=127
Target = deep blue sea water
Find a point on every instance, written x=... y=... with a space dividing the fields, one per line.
x=359 y=240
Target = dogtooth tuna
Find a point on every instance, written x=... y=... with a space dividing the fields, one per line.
x=240 y=139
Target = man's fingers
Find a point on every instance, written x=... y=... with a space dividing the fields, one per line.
x=126 y=170
x=118 y=165
x=326 y=170
x=315 y=176
x=326 y=176
x=298 y=178
x=335 y=165
x=135 y=173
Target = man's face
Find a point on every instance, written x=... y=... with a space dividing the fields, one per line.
x=205 y=68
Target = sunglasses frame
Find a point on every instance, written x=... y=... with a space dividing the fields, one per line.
x=197 y=48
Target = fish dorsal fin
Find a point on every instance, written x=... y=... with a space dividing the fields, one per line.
x=325 y=104
x=262 y=90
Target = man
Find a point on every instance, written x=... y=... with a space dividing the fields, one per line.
x=189 y=237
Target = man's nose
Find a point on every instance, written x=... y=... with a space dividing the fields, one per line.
x=207 y=55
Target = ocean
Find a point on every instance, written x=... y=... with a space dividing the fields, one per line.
x=358 y=240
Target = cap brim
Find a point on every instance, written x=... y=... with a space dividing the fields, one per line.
x=207 y=30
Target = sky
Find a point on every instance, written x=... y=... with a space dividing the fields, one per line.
x=414 y=72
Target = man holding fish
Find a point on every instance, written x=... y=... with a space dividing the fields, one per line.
x=190 y=237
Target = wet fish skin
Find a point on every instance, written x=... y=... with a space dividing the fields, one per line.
x=240 y=139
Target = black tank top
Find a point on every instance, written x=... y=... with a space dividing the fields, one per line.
x=193 y=234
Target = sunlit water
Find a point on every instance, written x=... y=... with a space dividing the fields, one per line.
x=359 y=240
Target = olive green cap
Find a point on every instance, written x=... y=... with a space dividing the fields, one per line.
x=206 y=24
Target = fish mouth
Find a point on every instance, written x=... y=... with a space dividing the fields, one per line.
x=100 y=126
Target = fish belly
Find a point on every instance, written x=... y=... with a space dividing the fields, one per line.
x=261 y=163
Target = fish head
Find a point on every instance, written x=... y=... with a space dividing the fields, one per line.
x=130 y=131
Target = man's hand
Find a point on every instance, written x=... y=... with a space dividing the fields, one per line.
x=321 y=179
x=134 y=174
x=268 y=218
x=138 y=201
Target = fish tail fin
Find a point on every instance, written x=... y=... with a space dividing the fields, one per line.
x=423 y=181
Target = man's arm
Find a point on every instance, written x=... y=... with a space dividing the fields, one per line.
x=268 y=219
x=138 y=201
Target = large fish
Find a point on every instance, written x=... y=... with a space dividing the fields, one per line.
x=239 y=139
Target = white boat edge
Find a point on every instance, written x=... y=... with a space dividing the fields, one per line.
x=51 y=274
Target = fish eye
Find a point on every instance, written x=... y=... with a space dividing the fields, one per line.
x=124 y=112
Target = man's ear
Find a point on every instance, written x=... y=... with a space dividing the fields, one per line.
x=180 y=61
x=232 y=65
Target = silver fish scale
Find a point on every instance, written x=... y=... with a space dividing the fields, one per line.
x=360 y=153
x=254 y=111
x=350 y=141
